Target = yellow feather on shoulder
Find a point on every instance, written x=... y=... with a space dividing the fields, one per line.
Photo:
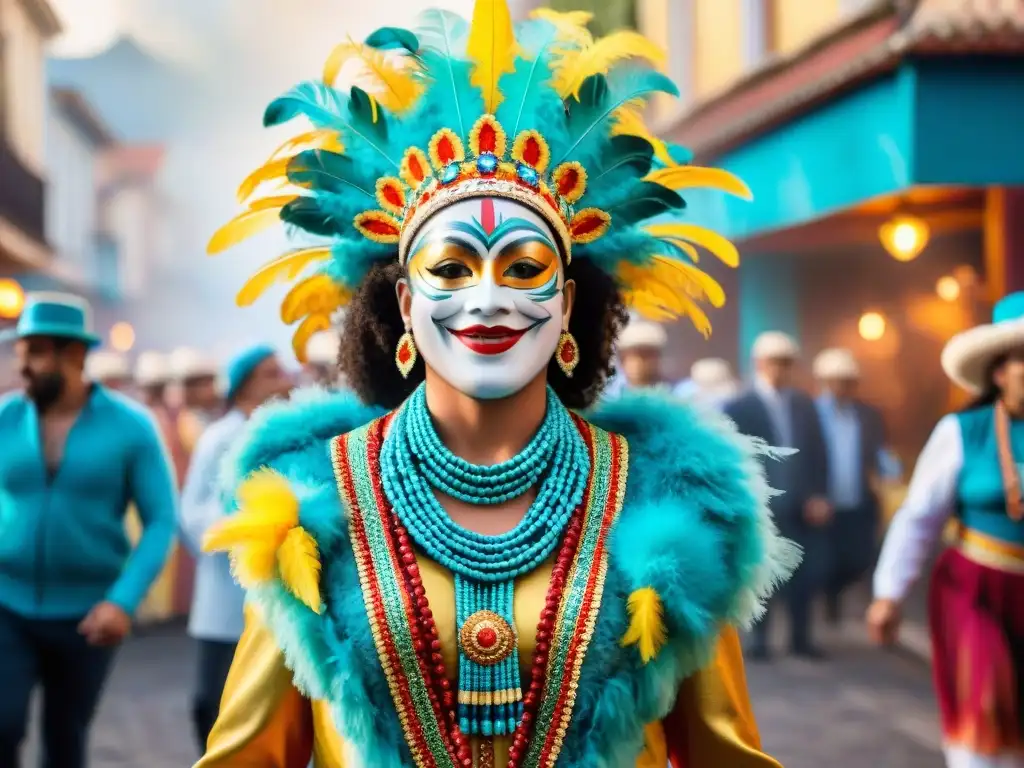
x=491 y=48
x=309 y=328
x=267 y=509
x=705 y=238
x=316 y=295
x=692 y=176
x=647 y=623
x=628 y=122
x=389 y=79
x=298 y=559
x=283 y=268
x=573 y=66
x=571 y=25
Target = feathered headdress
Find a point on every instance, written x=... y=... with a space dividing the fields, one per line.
x=540 y=113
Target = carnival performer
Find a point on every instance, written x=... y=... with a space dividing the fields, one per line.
x=462 y=570
x=970 y=471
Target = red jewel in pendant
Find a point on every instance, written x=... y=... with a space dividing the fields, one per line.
x=405 y=354
x=486 y=638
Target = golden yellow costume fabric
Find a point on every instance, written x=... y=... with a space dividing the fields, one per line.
x=266 y=722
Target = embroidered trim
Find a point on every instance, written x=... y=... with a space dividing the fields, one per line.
x=583 y=593
x=389 y=607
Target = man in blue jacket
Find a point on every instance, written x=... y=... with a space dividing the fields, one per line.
x=73 y=455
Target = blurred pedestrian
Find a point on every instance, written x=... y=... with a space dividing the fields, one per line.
x=322 y=359
x=784 y=416
x=201 y=403
x=970 y=470
x=641 y=347
x=110 y=369
x=253 y=377
x=73 y=455
x=711 y=383
x=855 y=435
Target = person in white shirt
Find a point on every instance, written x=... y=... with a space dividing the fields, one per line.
x=970 y=471
x=216 y=621
x=855 y=434
x=775 y=411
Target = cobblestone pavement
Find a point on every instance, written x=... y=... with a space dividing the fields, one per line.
x=860 y=708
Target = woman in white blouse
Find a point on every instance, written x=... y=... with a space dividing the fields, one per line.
x=970 y=470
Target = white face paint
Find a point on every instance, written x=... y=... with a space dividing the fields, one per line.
x=487 y=301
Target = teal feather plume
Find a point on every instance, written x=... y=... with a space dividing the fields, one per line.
x=320 y=103
x=329 y=172
x=352 y=259
x=393 y=38
x=528 y=98
x=443 y=36
x=591 y=116
x=630 y=244
x=625 y=160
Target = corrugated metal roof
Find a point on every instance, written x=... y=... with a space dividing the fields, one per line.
x=967 y=21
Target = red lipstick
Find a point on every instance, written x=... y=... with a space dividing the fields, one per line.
x=489 y=339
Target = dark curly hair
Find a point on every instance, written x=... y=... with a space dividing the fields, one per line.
x=373 y=325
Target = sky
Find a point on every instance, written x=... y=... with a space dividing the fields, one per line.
x=244 y=52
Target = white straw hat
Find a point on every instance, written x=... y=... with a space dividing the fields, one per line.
x=186 y=363
x=107 y=365
x=713 y=376
x=151 y=368
x=322 y=349
x=967 y=357
x=775 y=345
x=836 y=363
x=642 y=334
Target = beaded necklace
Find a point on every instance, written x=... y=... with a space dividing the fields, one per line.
x=415 y=463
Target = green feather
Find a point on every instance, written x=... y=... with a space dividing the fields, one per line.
x=320 y=103
x=369 y=122
x=306 y=214
x=443 y=36
x=646 y=200
x=324 y=171
x=624 y=152
x=391 y=38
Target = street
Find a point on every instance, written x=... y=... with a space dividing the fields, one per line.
x=860 y=708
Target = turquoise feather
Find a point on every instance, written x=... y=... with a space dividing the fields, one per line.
x=329 y=172
x=320 y=103
x=625 y=161
x=307 y=214
x=641 y=202
x=393 y=38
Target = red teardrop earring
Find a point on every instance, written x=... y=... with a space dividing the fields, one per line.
x=567 y=354
x=405 y=354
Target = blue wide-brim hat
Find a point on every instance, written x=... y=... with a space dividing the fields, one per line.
x=967 y=356
x=58 y=315
x=242 y=365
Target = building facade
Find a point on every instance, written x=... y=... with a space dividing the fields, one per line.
x=25 y=28
x=878 y=140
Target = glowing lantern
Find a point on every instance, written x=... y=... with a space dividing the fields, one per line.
x=948 y=288
x=12 y=298
x=122 y=337
x=871 y=326
x=904 y=237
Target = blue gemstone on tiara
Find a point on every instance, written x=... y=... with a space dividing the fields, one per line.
x=528 y=175
x=487 y=164
x=450 y=173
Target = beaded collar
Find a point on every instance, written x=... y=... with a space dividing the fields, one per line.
x=402 y=624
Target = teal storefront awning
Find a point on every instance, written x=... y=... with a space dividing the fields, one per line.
x=953 y=121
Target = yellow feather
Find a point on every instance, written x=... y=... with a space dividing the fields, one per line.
x=571 y=25
x=274 y=170
x=244 y=226
x=284 y=268
x=646 y=624
x=574 y=66
x=299 y=562
x=274 y=201
x=385 y=77
x=677 y=276
x=322 y=138
x=491 y=48
x=316 y=295
x=254 y=563
x=705 y=238
x=309 y=327
x=630 y=123
x=691 y=176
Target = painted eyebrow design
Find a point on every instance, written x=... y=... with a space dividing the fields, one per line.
x=475 y=230
x=450 y=238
